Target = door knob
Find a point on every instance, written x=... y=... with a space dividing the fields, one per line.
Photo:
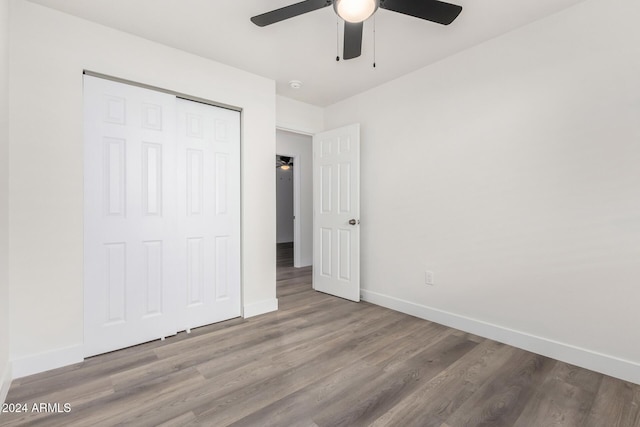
x=353 y=222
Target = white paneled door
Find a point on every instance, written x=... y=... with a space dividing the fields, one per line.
x=147 y=273
x=208 y=214
x=336 y=212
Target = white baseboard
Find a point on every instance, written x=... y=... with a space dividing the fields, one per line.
x=46 y=361
x=260 y=307
x=304 y=263
x=603 y=363
x=5 y=382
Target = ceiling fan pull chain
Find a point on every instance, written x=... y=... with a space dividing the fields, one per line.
x=337 y=39
x=374 y=41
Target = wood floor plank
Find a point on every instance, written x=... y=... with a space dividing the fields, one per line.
x=116 y=407
x=296 y=343
x=441 y=397
x=617 y=404
x=501 y=401
x=39 y=387
x=390 y=387
x=286 y=377
x=557 y=403
x=255 y=381
x=583 y=378
x=125 y=406
x=179 y=421
x=193 y=356
x=299 y=404
x=321 y=361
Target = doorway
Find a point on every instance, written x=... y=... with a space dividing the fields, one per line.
x=328 y=189
x=285 y=217
x=294 y=196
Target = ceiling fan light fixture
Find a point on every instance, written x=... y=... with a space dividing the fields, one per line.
x=285 y=167
x=355 y=10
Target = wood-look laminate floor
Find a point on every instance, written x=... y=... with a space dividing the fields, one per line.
x=324 y=361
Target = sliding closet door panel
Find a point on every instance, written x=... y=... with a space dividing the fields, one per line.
x=208 y=163
x=130 y=215
x=162 y=215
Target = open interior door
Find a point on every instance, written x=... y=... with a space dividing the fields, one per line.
x=336 y=212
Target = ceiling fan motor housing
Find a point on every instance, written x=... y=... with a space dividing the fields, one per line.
x=355 y=11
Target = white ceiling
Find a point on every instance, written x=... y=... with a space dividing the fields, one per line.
x=304 y=48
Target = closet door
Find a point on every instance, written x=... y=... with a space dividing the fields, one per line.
x=130 y=215
x=208 y=214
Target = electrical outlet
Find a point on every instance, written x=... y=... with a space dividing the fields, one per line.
x=428 y=278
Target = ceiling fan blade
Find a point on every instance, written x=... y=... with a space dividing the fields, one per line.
x=352 y=40
x=431 y=10
x=289 y=12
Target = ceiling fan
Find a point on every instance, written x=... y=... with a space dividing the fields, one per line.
x=284 y=162
x=355 y=12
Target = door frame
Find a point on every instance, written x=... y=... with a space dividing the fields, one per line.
x=296 y=195
x=296 y=206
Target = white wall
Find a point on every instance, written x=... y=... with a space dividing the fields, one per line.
x=4 y=199
x=284 y=205
x=300 y=146
x=300 y=117
x=511 y=170
x=49 y=51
